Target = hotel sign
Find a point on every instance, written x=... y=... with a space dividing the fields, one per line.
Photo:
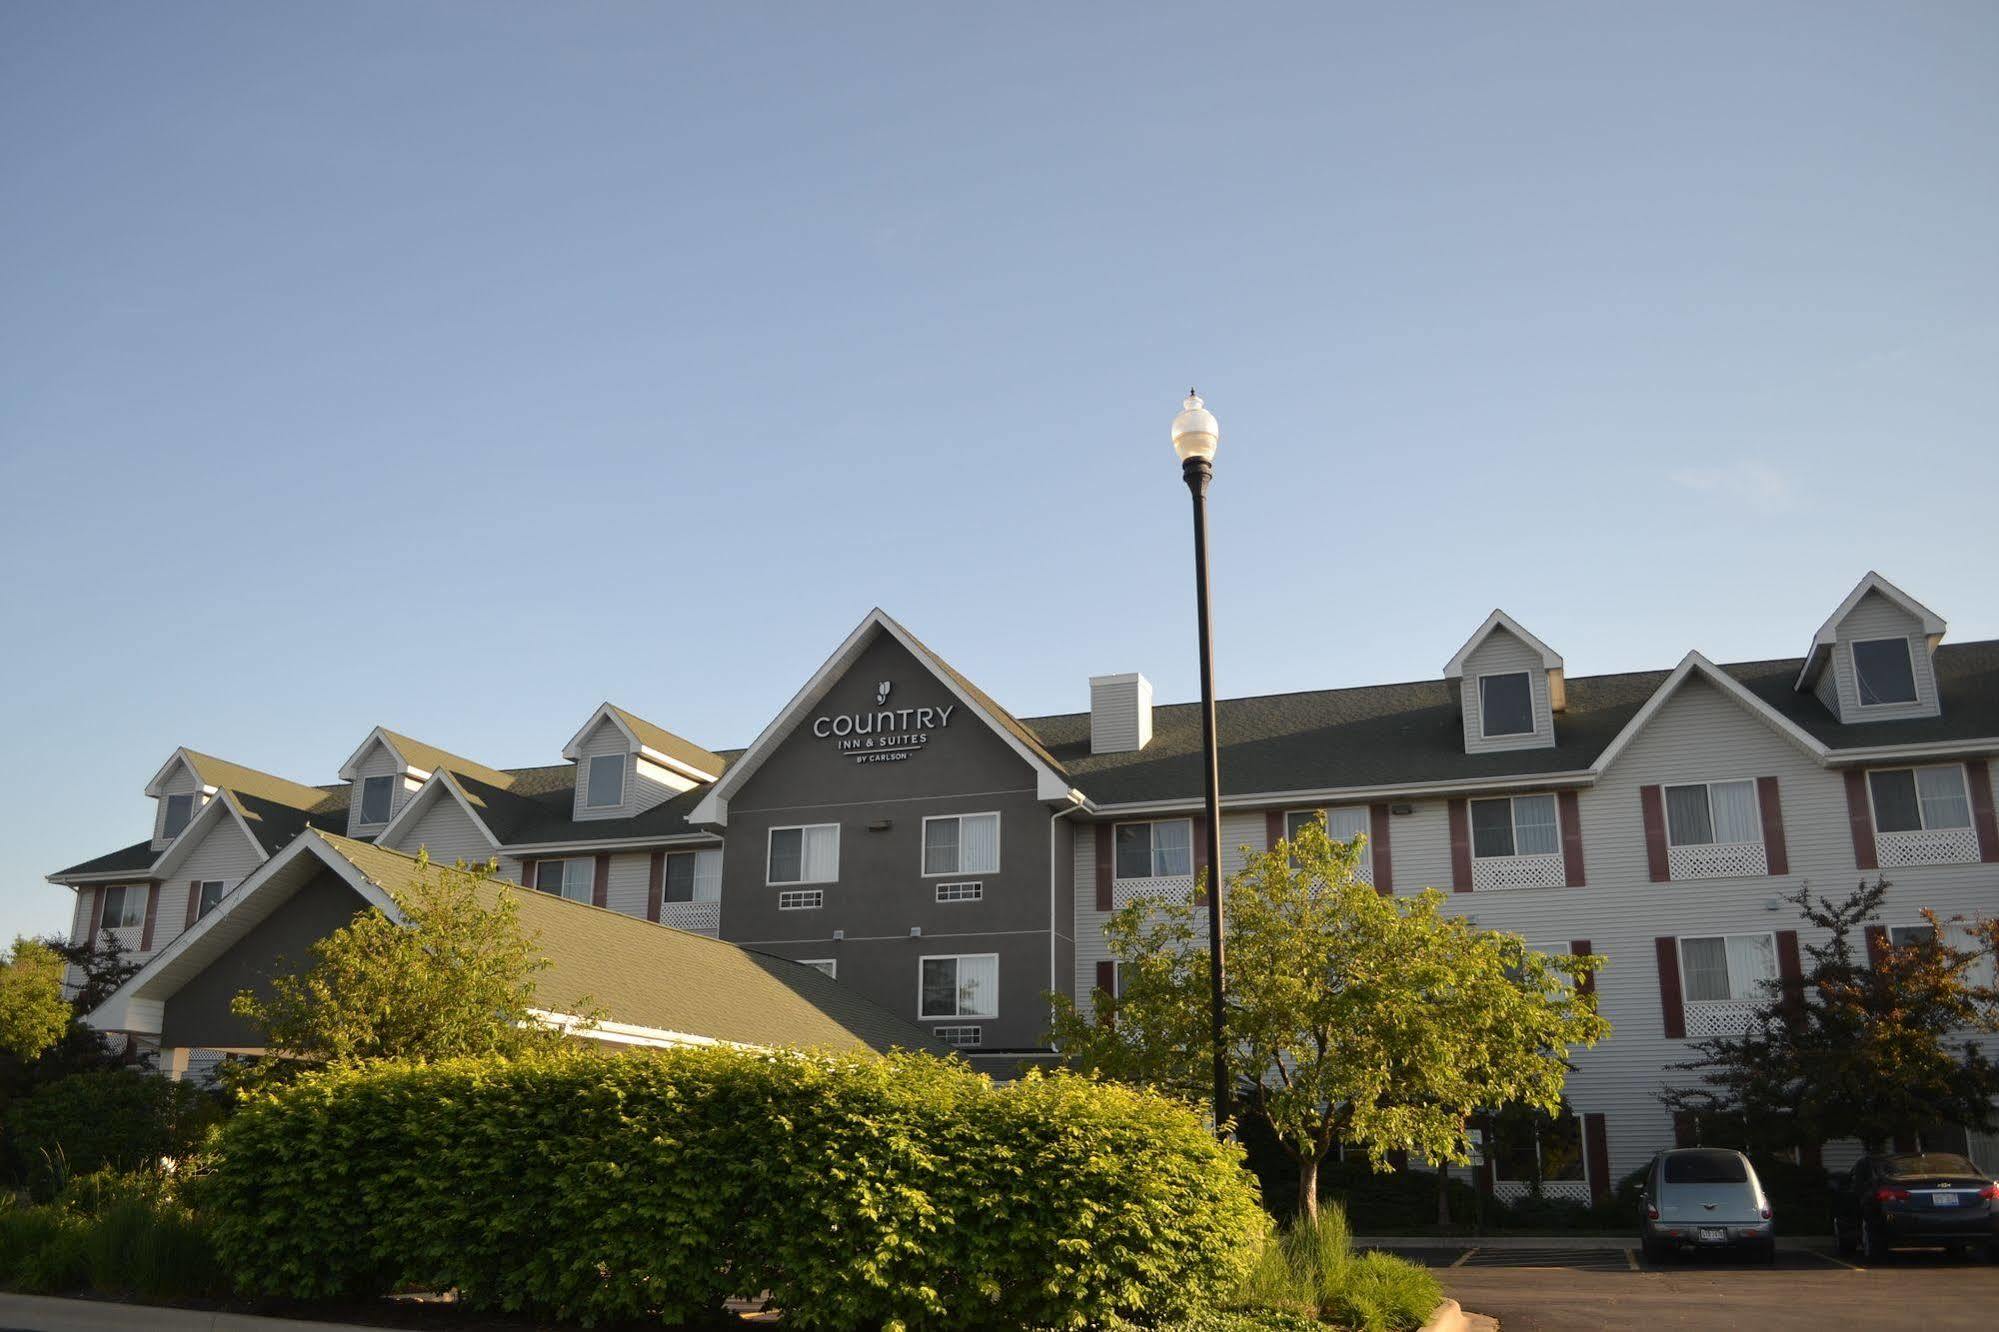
x=885 y=734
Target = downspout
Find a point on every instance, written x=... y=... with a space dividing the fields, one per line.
x=1076 y=803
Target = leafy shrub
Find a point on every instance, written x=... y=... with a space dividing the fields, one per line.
x=1229 y=1320
x=113 y=1234
x=861 y=1192
x=1379 y=1292
x=119 y=1118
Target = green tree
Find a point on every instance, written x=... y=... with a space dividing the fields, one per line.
x=456 y=977
x=33 y=1013
x=1352 y=1017
x=1864 y=1047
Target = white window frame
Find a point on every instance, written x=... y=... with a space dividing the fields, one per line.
x=1666 y=816
x=1513 y=821
x=193 y=799
x=960 y=1036
x=695 y=854
x=1533 y=713
x=1853 y=660
x=977 y=891
x=361 y=818
x=770 y=838
x=1761 y=997
x=802 y=899
x=829 y=965
x=923 y=846
x=922 y=1016
x=1326 y=812
x=202 y=906
x=128 y=893
x=589 y=865
x=1922 y=819
x=1889 y=931
x=590 y=780
x=1193 y=861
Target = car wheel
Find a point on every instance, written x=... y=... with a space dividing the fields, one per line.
x=1872 y=1247
x=1769 y=1255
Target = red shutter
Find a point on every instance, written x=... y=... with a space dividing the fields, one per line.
x=1790 y=974
x=1685 y=1132
x=1106 y=865
x=1580 y=948
x=1652 y=804
x=1384 y=860
x=1860 y=818
x=1811 y=1155
x=152 y=915
x=600 y=884
x=1775 y=849
x=1596 y=1150
x=527 y=873
x=1978 y=776
x=93 y=916
x=1200 y=841
x=1572 y=837
x=655 y=885
x=1460 y=847
x=1107 y=983
x=1877 y=943
x=1673 y=1011
x=1273 y=827
x=193 y=902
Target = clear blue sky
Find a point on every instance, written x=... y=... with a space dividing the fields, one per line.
x=458 y=366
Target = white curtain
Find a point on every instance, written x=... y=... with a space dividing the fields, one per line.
x=940 y=846
x=1941 y=791
x=978 y=844
x=576 y=879
x=1534 y=826
x=1735 y=812
x=822 y=854
x=1752 y=959
x=1172 y=848
x=1346 y=823
x=978 y=986
x=1705 y=962
x=707 y=876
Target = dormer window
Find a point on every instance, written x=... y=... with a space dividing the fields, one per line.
x=1883 y=671
x=1505 y=705
x=377 y=797
x=179 y=811
x=605 y=787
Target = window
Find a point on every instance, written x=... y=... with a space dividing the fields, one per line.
x=1705 y=1167
x=1911 y=936
x=801 y=899
x=1725 y=967
x=180 y=810
x=124 y=906
x=830 y=966
x=960 y=892
x=1343 y=824
x=1160 y=850
x=1919 y=799
x=961 y=844
x=804 y=855
x=1710 y=813
x=1505 y=705
x=566 y=878
x=377 y=795
x=1882 y=672
x=694 y=876
x=606 y=786
x=960 y=1037
x=211 y=896
x=1529 y=1145
x=1514 y=826
x=960 y=987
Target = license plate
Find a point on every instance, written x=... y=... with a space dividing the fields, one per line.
x=1711 y=1235
x=1945 y=1199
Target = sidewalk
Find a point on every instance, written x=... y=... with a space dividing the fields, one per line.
x=45 y=1313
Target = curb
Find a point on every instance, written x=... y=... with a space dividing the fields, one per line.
x=1392 y=1242
x=1451 y=1317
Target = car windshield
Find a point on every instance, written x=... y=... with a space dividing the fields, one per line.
x=1706 y=1168
x=1926 y=1163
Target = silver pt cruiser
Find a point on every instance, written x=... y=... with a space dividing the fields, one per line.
x=1703 y=1199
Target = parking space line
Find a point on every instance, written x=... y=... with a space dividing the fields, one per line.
x=1834 y=1258
x=1631 y=1260
x=1463 y=1258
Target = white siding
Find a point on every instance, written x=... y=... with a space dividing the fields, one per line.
x=380 y=761
x=646 y=783
x=224 y=852
x=183 y=780
x=1875 y=616
x=1501 y=653
x=631 y=878
x=447 y=832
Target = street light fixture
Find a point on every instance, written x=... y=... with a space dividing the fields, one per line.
x=1195 y=434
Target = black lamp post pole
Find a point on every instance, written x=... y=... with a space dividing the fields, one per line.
x=1198 y=473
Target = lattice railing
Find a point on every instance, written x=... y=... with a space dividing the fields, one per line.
x=694 y=917
x=1517 y=872
x=1512 y=1190
x=1719 y=1017
x=1173 y=888
x=1721 y=860
x=1936 y=846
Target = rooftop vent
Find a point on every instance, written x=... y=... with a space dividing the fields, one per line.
x=1120 y=713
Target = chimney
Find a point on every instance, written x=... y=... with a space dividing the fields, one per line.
x=1120 y=713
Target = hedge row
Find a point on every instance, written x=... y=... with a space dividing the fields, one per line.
x=861 y=1193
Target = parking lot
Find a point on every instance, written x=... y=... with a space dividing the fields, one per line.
x=1572 y=1287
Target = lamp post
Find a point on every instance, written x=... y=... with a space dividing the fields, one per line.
x=1194 y=436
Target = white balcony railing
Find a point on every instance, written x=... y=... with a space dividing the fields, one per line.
x=1720 y=860
x=1171 y=888
x=694 y=917
x=1719 y=1017
x=1541 y=871
x=1933 y=846
x=1512 y=1190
